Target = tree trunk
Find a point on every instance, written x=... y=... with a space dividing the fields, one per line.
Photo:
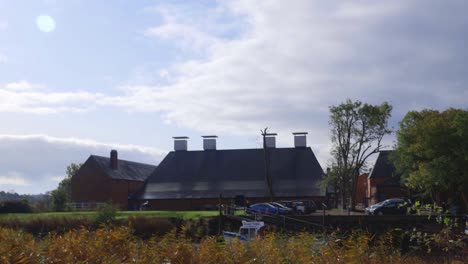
x=343 y=195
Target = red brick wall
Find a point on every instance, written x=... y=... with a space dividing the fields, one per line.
x=121 y=189
x=384 y=192
x=373 y=190
x=361 y=189
x=91 y=185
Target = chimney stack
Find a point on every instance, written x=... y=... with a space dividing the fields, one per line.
x=270 y=140
x=300 y=139
x=180 y=143
x=114 y=161
x=209 y=142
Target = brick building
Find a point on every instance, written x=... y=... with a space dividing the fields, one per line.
x=383 y=181
x=187 y=180
x=108 y=179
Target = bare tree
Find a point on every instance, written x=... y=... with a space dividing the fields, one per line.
x=266 y=156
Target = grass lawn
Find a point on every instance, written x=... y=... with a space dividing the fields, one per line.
x=120 y=214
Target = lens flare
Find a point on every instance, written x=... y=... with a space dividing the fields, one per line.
x=45 y=23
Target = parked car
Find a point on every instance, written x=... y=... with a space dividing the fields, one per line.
x=397 y=206
x=300 y=207
x=276 y=204
x=266 y=208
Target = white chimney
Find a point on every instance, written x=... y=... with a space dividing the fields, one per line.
x=209 y=142
x=180 y=143
x=300 y=139
x=270 y=140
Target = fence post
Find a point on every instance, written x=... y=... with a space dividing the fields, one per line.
x=220 y=220
x=324 y=206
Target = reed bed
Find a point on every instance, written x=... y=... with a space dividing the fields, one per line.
x=119 y=244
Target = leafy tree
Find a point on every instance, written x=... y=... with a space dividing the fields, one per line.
x=357 y=131
x=62 y=195
x=432 y=152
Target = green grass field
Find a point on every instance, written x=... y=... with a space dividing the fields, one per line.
x=120 y=214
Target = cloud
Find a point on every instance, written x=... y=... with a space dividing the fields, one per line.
x=13 y=178
x=26 y=97
x=42 y=159
x=251 y=64
x=193 y=27
x=286 y=72
x=290 y=62
x=22 y=86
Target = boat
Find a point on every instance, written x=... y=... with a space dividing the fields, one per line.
x=249 y=230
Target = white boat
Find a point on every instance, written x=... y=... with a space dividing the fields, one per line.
x=248 y=231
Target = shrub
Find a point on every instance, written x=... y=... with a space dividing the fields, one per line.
x=15 y=206
x=106 y=214
x=146 y=227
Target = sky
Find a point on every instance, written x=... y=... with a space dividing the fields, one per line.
x=82 y=77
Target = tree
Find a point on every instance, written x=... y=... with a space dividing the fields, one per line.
x=357 y=131
x=62 y=195
x=432 y=153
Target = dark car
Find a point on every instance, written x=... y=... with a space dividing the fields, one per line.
x=300 y=207
x=266 y=208
x=395 y=206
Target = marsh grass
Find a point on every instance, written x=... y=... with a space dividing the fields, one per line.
x=118 y=244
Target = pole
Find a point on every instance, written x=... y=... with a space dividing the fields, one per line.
x=220 y=220
x=267 y=164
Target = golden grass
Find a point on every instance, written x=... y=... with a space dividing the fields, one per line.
x=120 y=245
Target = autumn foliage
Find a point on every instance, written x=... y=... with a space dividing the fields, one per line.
x=120 y=245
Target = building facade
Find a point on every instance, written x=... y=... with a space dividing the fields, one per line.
x=108 y=180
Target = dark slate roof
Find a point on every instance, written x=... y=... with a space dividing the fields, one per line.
x=127 y=170
x=383 y=167
x=206 y=174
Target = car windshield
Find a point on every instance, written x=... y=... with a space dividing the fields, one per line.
x=279 y=205
x=379 y=204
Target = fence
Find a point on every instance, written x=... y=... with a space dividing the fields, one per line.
x=85 y=206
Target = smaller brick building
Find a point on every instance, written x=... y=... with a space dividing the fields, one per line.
x=383 y=181
x=360 y=197
x=104 y=179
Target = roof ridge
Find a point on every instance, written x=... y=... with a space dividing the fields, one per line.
x=243 y=149
x=97 y=156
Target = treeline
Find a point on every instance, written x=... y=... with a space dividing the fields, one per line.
x=24 y=203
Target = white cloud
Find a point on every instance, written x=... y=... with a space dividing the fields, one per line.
x=297 y=59
x=13 y=178
x=189 y=36
x=22 y=86
x=26 y=97
x=278 y=64
x=41 y=159
x=193 y=27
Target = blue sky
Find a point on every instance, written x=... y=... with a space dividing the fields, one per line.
x=130 y=75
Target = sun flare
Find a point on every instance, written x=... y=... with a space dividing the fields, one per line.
x=45 y=23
